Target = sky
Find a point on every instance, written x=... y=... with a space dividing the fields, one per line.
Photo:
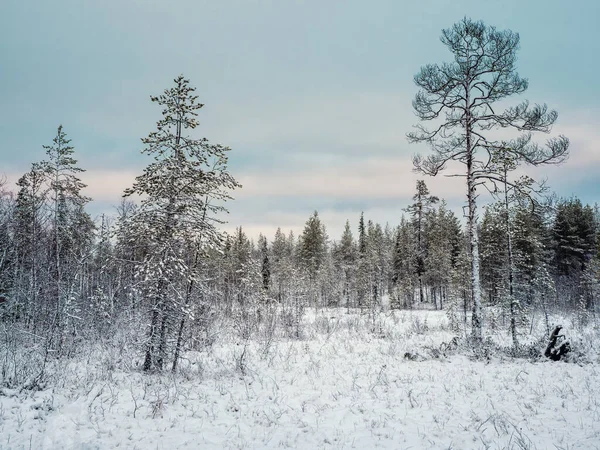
x=314 y=97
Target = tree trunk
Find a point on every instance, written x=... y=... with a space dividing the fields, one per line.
x=188 y=296
x=178 y=346
x=148 y=361
x=476 y=318
x=511 y=297
x=162 y=343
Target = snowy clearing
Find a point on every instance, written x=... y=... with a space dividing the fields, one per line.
x=339 y=387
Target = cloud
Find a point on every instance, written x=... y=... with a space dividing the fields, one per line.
x=107 y=185
x=584 y=143
x=364 y=179
x=583 y=163
x=103 y=186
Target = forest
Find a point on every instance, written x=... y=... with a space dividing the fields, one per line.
x=156 y=299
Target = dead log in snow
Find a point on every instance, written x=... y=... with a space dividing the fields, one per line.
x=552 y=351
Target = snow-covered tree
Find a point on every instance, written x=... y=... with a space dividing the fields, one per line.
x=71 y=231
x=281 y=265
x=403 y=265
x=460 y=96
x=30 y=239
x=181 y=192
x=265 y=262
x=312 y=251
x=444 y=237
x=493 y=253
x=423 y=203
x=574 y=242
x=346 y=258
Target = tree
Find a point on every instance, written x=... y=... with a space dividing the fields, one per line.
x=8 y=260
x=104 y=279
x=373 y=266
x=521 y=192
x=362 y=235
x=182 y=190
x=574 y=241
x=444 y=237
x=313 y=249
x=423 y=202
x=403 y=264
x=265 y=263
x=362 y=265
x=460 y=96
x=72 y=228
x=492 y=252
x=29 y=240
x=346 y=255
x=574 y=235
x=129 y=253
x=532 y=256
x=281 y=265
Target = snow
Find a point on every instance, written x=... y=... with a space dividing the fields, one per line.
x=341 y=387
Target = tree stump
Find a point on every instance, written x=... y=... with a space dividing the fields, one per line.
x=552 y=351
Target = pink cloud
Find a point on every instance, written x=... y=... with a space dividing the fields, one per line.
x=377 y=178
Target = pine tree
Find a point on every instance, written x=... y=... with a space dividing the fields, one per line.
x=72 y=231
x=464 y=92
x=182 y=190
x=423 y=203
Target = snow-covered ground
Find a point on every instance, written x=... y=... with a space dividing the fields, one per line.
x=340 y=386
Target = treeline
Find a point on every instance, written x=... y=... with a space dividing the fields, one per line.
x=423 y=262
x=66 y=277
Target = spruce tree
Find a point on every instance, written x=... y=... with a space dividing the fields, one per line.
x=313 y=248
x=346 y=252
x=443 y=235
x=403 y=264
x=493 y=253
x=281 y=266
x=362 y=275
x=265 y=262
x=574 y=242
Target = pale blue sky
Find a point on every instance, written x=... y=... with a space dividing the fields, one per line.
x=312 y=96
